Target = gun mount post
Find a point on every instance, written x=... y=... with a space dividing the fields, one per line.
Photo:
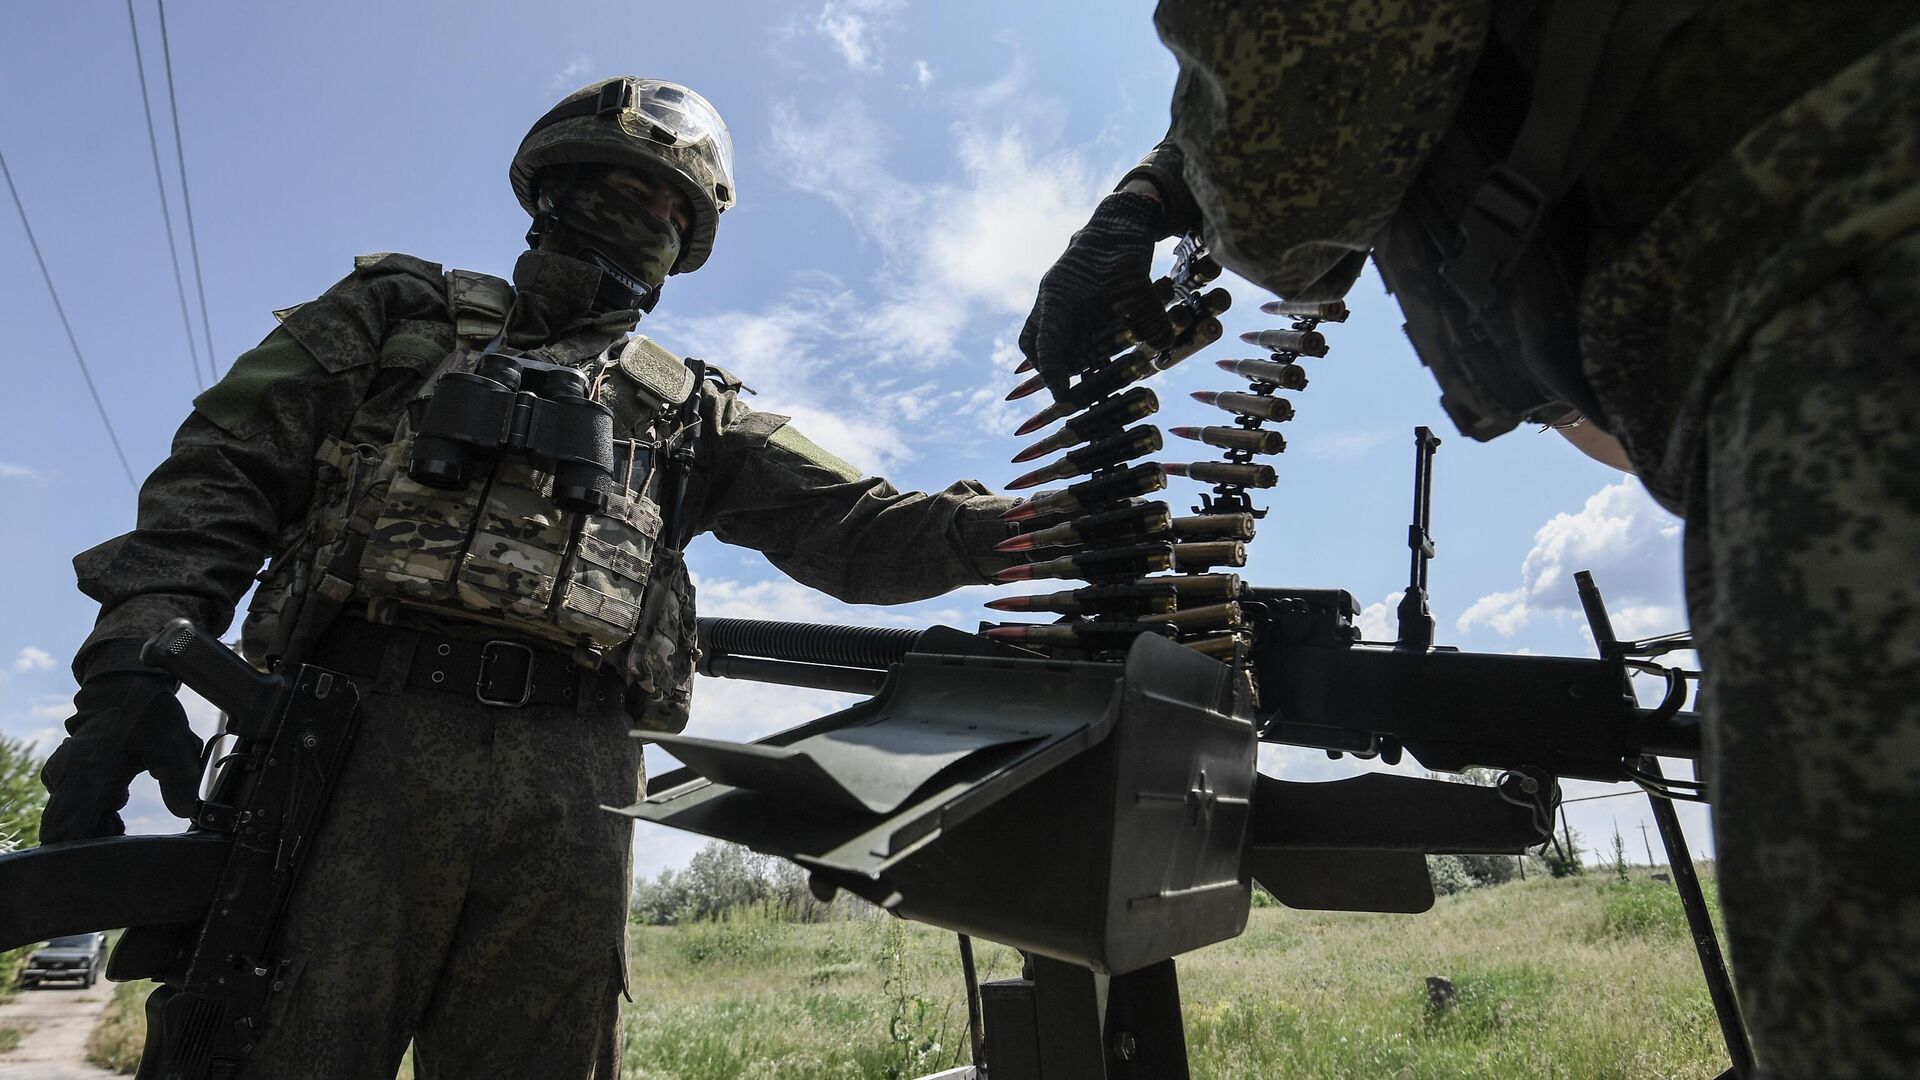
x=1713 y=964
x=1416 y=621
x=1068 y=1023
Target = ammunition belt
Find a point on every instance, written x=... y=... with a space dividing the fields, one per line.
x=503 y=671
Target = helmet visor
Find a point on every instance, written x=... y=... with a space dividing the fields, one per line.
x=686 y=119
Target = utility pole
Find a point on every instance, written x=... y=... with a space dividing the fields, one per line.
x=1567 y=831
x=1648 y=843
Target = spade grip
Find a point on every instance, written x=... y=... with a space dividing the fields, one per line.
x=215 y=672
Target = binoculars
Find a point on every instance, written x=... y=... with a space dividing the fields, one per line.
x=513 y=405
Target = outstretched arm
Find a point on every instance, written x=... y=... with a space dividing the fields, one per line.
x=828 y=526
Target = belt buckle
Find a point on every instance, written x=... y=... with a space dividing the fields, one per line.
x=481 y=683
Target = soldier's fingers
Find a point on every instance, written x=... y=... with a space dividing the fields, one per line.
x=1145 y=317
x=1058 y=346
x=79 y=810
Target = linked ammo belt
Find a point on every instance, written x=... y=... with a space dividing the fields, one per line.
x=501 y=672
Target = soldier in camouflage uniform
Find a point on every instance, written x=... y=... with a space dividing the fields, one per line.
x=467 y=892
x=1744 y=302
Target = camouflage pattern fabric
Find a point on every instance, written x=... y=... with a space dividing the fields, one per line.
x=1749 y=321
x=594 y=213
x=466 y=892
x=1802 y=538
x=469 y=891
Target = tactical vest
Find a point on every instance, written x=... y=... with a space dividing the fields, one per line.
x=1487 y=252
x=498 y=550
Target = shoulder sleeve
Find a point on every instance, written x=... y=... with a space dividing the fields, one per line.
x=241 y=467
x=827 y=525
x=1304 y=123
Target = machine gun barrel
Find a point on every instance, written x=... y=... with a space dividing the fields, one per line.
x=850 y=659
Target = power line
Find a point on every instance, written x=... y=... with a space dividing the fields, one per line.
x=68 y=326
x=166 y=215
x=180 y=154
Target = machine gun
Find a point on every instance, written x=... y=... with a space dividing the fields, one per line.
x=924 y=798
x=203 y=907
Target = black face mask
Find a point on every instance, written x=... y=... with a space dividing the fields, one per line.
x=594 y=220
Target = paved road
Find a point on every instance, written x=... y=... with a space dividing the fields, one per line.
x=56 y=1047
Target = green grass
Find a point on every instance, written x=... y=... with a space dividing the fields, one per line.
x=1576 y=978
x=1582 y=978
x=12 y=1034
x=121 y=1031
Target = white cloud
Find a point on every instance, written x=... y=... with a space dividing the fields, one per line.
x=571 y=77
x=1381 y=621
x=1631 y=545
x=32 y=659
x=852 y=26
x=922 y=74
x=10 y=471
x=51 y=707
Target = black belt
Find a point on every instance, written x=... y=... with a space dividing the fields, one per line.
x=501 y=672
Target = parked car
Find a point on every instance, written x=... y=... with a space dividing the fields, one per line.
x=76 y=956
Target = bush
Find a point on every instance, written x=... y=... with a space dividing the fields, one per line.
x=21 y=799
x=722 y=878
x=1448 y=875
x=1649 y=909
x=120 y=1034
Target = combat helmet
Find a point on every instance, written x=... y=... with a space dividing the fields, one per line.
x=661 y=127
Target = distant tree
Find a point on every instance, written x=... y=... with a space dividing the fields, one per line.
x=1447 y=875
x=721 y=877
x=21 y=795
x=1563 y=859
x=1619 y=855
x=1488 y=869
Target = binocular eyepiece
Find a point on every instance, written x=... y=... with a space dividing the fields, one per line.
x=513 y=405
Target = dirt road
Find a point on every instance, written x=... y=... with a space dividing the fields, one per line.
x=55 y=1048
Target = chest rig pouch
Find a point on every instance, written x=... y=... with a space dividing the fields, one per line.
x=524 y=493
x=1488 y=251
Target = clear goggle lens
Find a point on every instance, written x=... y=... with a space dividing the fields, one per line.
x=689 y=118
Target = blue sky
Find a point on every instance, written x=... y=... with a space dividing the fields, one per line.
x=907 y=170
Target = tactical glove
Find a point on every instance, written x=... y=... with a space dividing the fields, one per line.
x=124 y=723
x=1100 y=286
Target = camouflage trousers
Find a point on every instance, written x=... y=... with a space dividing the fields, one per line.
x=466 y=893
x=1803 y=580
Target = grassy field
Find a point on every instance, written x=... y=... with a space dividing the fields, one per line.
x=1581 y=978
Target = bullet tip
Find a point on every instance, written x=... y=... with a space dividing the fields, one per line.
x=1017 y=543
x=1019 y=512
x=1251 y=337
x=1023 y=572
x=1035 y=423
x=1008 y=603
x=1007 y=633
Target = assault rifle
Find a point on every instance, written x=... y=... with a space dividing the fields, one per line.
x=1104 y=817
x=203 y=907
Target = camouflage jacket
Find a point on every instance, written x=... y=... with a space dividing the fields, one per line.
x=1772 y=143
x=243 y=477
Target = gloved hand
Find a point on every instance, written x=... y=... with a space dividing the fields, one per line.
x=124 y=723
x=1099 y=286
